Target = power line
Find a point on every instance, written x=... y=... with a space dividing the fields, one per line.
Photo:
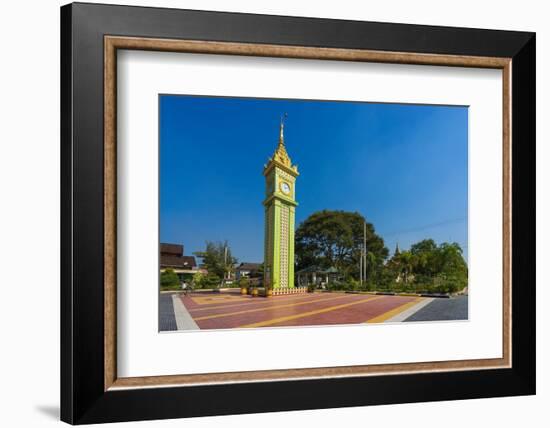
x=425 y=227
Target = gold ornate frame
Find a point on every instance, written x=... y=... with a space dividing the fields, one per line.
x=113 y=43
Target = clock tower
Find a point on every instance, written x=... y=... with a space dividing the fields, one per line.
x=280 y=205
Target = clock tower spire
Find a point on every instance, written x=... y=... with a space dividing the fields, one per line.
x=282 y=129
x=280 y=207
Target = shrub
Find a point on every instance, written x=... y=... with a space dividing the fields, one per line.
x=449 y=283
x=337 y=285
x=353 y=285
x=349 y=284
x=210 y=280
x=169 y=280
x=369 y=285
x=244 y=282
x=197 y=280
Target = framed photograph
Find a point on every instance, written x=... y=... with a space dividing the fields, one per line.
x=266 y=213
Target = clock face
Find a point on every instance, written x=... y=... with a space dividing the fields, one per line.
x=285 y=188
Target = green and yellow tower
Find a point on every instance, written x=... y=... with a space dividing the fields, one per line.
x=280 y=206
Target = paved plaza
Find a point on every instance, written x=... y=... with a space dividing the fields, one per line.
x=230 y=309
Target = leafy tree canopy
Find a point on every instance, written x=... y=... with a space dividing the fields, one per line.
x=424 y=246
x=441 y=266
x=426 y=257
x=334 y=239
x=215 y=259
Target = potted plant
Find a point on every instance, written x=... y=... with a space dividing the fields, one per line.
x=268 y=292
x=254 y=292
x=244 y=283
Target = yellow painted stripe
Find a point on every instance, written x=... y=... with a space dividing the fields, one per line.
x=306 y=314
x=394 y=312
x=212 y=300
x=247 y=311
x=257 y=301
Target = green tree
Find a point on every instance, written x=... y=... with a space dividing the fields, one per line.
x=334 y=239
x=217 y=258
x=169 y=279
x=405 y=262
x=385 y=278
x=453 y=270
x=210 y=280
x=429 y=267
x=424 y=246
x=425 y=257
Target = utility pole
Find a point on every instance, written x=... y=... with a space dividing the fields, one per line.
x=361 y=268
x=226 y=272
x=365 y=250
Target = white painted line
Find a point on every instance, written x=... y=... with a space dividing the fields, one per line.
x=184 y=321
x=402 y=316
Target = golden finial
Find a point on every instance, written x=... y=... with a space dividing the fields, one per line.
x=282 y=129
x=281 y=155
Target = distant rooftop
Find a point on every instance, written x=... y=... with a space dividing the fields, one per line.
x=246 y=266
x=171 y=249
x=171 y=256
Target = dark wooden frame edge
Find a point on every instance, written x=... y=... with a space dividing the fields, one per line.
x=83 y=399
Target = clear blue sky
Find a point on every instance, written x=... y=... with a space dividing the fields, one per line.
x=404 y=167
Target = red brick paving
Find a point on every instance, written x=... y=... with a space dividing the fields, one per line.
x=242 y=304
x=351 y=314
x=246 y=316
x=240 y=311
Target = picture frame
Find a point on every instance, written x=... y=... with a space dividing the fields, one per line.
x=91 y=391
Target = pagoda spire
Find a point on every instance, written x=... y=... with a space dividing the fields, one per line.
x=281 y=156
x=282 y=130
x=397 y=252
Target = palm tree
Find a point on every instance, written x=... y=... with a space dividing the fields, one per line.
x=405 y=261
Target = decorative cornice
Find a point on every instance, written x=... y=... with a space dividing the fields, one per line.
x=292 y=170
x=281 y=198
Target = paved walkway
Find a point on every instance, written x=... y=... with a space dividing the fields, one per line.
x=455 y=308
x=167 y=320
x=184 y=320
x=232 y=310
